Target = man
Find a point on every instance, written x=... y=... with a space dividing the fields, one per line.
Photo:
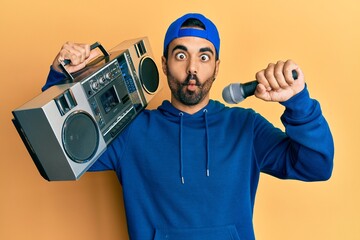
x=190 y=169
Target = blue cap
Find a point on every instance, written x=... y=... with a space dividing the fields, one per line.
x=210 y=32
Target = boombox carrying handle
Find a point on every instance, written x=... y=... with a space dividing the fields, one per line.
x=67 y=61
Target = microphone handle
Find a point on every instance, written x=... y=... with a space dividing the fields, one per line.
x=248 y=89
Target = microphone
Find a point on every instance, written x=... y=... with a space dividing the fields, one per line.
x=237 y=92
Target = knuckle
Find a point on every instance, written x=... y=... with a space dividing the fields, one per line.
x=268 y=73
x=68 y=44
x=259 y=75
x=83 y=49
x=271 y=66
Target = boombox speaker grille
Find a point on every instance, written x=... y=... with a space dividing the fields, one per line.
x=149 y=75
x=80 y=136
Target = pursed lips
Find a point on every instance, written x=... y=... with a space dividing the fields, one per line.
x=191 y=82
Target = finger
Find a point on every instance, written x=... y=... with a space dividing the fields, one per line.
x=261 y=79
x=270 y=77
x=92 y=54
x=74 y=52
x=260 y=89
x=87 y=50
x=72 y=69
x=82 y=51
x=279 y=75
x=262 y=93
x=68 y=54
x=289 y=66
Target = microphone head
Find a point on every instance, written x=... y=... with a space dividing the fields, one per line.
x=232 y=94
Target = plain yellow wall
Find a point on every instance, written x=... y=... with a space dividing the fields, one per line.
x=321 y=36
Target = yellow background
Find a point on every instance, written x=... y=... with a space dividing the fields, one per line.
x=321 y=36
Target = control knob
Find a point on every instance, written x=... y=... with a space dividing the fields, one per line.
x=102 y=80
x=95 y=85
x=108 y=75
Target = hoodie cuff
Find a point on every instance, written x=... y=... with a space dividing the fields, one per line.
x=300 y=106
x=53 y=78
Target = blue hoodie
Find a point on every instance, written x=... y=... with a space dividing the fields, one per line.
x=195 y=176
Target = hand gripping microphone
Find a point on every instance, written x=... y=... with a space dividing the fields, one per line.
x=237 y=92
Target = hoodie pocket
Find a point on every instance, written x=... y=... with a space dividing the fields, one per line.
x=212 y=233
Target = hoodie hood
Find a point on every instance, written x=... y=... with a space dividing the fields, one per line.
x=199 y=119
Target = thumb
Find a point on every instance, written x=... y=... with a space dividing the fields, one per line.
x=261 y=92
x=93 y=54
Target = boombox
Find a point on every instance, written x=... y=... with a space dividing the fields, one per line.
x=67 y=127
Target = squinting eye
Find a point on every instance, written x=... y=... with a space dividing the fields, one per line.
x=204 y=58
x=180 y=56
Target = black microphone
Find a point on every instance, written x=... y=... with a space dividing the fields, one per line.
x=237 y=92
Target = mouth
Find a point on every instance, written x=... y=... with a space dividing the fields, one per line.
x=192 y=85
x=191 y=82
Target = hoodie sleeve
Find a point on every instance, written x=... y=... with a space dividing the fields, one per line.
x=111 y=157
x=306 y=150
x=53 y=78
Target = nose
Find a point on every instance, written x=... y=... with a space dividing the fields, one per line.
x=192 y=66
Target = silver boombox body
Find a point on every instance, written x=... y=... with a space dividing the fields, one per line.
x=67 y=127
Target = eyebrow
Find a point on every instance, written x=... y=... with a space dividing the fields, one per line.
x=182 y=47
x=206 y=49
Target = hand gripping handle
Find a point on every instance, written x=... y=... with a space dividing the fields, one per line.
x=67 y=61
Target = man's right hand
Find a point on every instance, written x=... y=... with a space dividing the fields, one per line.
x=79 y=55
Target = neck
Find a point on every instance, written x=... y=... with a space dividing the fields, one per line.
x=190 y=109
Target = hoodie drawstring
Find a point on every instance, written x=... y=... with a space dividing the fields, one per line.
x=207 y=144
x=181 y=149
x=181 y=115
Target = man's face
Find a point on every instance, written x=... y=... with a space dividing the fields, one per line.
x=191 y=68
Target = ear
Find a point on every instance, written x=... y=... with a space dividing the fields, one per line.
x=164 y=65
x=217 y=65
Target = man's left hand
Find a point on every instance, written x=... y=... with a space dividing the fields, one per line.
x=276 y=82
